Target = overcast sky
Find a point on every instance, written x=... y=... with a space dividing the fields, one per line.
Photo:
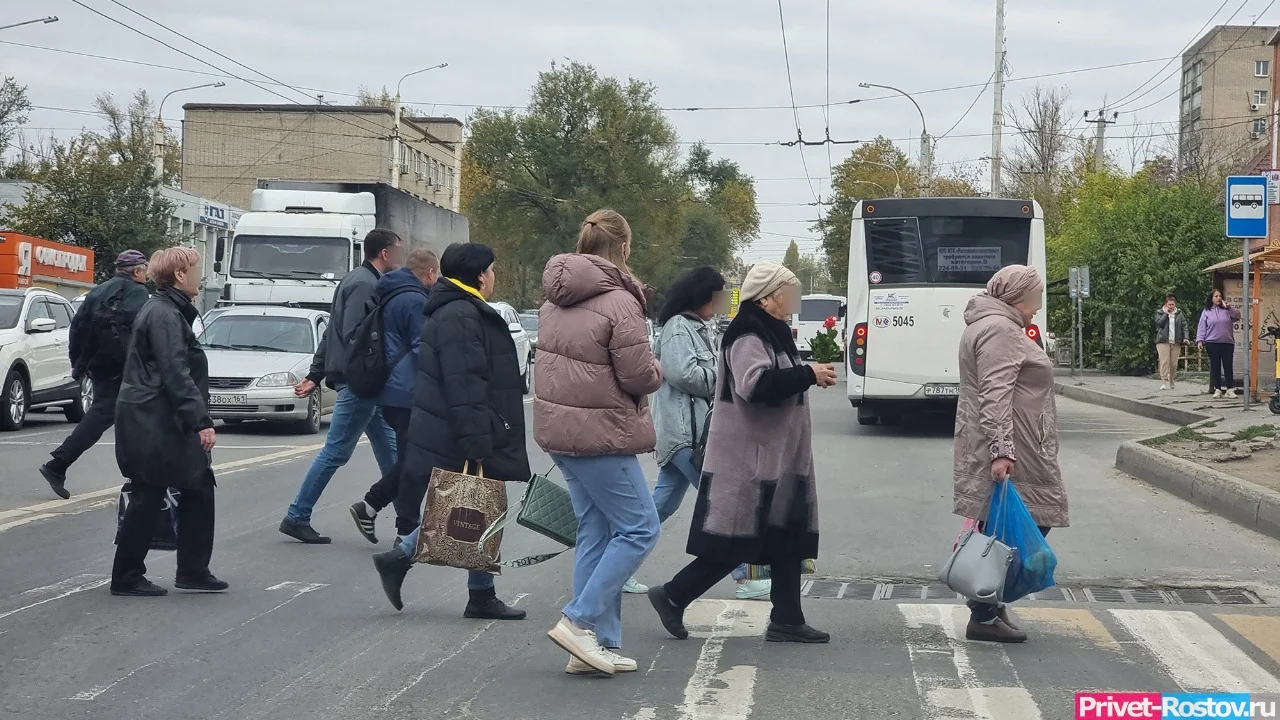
x=708 y=53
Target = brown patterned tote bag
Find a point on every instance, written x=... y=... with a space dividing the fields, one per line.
x=460 y=507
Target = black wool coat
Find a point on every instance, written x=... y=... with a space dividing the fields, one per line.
x=164 y=396
x=468 y=396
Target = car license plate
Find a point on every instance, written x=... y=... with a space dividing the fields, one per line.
x=936 y=390
x=228 y=399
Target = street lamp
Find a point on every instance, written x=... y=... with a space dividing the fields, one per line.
x=157 y=138
x=397 y=156
x=868 y=182
x=45 y=20
x=897 y=188
x=926 y=148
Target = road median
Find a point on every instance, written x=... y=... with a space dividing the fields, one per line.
x=1142 y=408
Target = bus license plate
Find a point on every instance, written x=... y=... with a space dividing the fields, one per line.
x=936 y=390
x=228 y=399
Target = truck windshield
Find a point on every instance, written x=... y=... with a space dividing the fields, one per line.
x=304 y=258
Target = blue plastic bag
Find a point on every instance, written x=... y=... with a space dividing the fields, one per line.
x=1009 y=521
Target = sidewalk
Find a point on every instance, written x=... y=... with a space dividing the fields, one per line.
x=1221 y=458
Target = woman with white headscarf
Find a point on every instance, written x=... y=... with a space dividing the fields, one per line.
x=757 y=501
x=1007 y=421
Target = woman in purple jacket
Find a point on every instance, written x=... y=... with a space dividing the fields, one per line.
x=1215 y=334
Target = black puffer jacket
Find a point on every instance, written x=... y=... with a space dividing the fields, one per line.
x=83 y=348
x=468 y=397
x=163 y=403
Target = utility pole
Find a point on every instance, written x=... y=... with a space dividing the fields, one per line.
x=1100 y=138
x=997 y=114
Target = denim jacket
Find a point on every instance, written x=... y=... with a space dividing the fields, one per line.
x=689 y=373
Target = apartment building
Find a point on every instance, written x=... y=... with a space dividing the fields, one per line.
x=226 y=149
x=1226 y=97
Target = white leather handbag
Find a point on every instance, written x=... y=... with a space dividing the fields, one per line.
x=978 y=567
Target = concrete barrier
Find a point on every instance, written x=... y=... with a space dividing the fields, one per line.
x=1239 y=501
x=1163 y=413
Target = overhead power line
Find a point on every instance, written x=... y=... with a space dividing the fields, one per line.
x=1184 y=49
x=795 y=113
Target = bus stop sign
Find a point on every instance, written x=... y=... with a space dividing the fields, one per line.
x=1246 y=201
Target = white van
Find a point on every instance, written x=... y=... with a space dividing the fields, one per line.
x=814 y=311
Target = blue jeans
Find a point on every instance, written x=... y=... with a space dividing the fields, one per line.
x=351 y=416
x=476 y=579
x=617 y=529
x=674 y=480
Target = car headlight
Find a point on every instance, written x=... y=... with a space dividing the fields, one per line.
x=280 y=379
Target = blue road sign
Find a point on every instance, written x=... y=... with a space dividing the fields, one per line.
x=1246 y=206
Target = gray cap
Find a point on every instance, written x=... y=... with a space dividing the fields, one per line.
x=130 y=259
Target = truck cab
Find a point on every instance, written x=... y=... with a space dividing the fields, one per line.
x=294 y=246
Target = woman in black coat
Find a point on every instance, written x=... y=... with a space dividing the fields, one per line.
x=468 y=407
x=164 y=433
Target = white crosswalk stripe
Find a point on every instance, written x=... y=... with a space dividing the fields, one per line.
x=1195 y=654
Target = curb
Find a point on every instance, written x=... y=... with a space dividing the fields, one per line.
x=1243 y=503
x=1153 y=411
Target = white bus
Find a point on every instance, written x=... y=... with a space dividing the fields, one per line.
x=914 y=263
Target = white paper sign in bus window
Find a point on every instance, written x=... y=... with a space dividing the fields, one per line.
x=968 y=259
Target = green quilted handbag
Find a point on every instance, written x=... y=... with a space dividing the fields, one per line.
x=545 y=509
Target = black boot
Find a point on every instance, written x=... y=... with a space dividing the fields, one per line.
x=795 y=634
x=56 y=478
x=485 y=605
x=392 y=567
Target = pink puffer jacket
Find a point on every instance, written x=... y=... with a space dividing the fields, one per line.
x=595 y=367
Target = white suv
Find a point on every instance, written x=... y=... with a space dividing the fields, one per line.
x=34 y=338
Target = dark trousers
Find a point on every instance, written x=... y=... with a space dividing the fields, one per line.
x=701 y=575
x=100 y=417
x=1221 y=358
x=384 y=492
x=986 y=612
x=195 y=534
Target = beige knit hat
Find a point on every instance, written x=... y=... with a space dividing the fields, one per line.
x=764 y=279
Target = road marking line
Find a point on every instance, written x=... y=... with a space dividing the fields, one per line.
x=1261 y=630
x=728 y=695
x=942 y=636
x=92 y=585
x=1196 y=656
x=439 y=663
x=301 y=590
x=112 y=492
x=93 y=693
x=1073 y=622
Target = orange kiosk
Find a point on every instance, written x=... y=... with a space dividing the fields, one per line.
x=27 y=261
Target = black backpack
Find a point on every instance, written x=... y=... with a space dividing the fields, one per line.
x=366 y=368
x=111 y=329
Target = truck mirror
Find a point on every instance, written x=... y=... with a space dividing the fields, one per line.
x=843 y=311
x=220 y=249
x=217 y=267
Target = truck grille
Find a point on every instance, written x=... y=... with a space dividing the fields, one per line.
x=228 y=383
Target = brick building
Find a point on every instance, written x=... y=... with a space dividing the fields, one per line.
x=1226 y=97
x=226 y=149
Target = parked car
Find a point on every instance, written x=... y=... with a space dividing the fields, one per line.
x=530 y=322
x=35 y=332
x=524 y=348
x=257 y=353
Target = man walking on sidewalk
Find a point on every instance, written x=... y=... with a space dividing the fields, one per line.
x=100 y=334
x=403 y=295
x=351 y=415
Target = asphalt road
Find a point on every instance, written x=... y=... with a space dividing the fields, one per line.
x=305 y=631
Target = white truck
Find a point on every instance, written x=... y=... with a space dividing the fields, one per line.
x=300 y=238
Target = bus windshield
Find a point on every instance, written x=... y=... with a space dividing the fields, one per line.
x=303 y=258
x=945 y=250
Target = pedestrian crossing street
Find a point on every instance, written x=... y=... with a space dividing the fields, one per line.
x=1072 y=649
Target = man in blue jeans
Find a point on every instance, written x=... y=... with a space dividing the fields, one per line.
x=351 y=415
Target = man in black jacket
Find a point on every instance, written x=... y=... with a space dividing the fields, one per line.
x=351 y=415
x=100 y=334
x=468 y=408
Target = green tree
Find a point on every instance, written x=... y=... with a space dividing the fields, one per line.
x=99 y=190
x=791 y=258
x=1141 y=238
x=129 y=135
x=14 y=107
x=586 y=142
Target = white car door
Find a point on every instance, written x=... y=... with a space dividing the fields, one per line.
x=43 y=348
x=61 y=363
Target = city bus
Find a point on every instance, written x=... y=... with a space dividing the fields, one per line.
x=914 y=263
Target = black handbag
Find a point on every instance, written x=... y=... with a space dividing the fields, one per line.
x=699 y=447
x=165 y=536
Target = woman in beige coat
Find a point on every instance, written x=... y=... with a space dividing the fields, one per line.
x=1007 y=421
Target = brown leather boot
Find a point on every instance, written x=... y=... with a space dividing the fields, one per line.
x=995 y=632
x=1003 y=614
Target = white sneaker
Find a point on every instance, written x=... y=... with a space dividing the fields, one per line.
x=635 y=587
x=1233 y=393
x=1217 y=393
x=620 y=664
x=582 y=644
x=754 y=589
x=1164 y=386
